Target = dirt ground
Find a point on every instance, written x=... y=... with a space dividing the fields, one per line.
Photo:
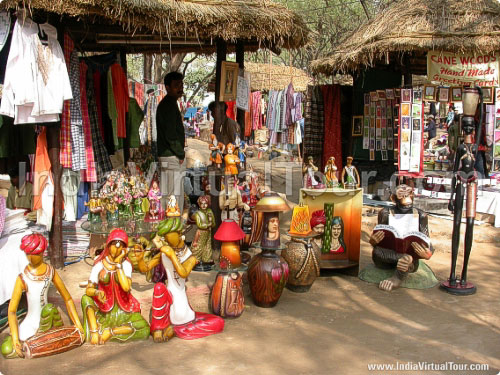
x=341 y=326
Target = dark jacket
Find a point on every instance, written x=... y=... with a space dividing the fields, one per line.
x=170 y=129
x=431 y=128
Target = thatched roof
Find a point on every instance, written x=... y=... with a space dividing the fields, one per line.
x=276 y=77
x=261 y=22
x=415 y=27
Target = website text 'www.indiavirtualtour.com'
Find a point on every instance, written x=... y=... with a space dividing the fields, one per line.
x=428 y=366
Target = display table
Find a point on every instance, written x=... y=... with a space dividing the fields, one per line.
x=348 y=204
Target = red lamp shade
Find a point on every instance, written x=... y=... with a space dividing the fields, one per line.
x=229 y=231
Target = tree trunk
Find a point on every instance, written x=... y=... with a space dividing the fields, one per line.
x=158 y=69
x=176 y=62
x=148 y=67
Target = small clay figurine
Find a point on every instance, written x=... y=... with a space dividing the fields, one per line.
x=110 y=311
x=231 y=161
x=308 y=170
x=230 y=200
x=242 y=153
x=216 y=149
x=95 y=207
x=171 y=312
x=202 y=243
x=173 y=207
x=331 y=173
x=350 y=176
x=154 y=197
x=112 y=209
x=42 y=316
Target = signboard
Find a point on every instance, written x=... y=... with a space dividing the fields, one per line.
x=243 y=93
x=462 y=70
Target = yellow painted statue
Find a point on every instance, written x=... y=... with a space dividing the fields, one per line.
x=42 y=316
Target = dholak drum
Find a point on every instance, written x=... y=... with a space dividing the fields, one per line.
x=54 y=341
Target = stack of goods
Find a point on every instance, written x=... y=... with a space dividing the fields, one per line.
x=75 y=239
x=14 y=222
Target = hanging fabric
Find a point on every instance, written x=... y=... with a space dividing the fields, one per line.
x=256 y=110
x=36 y=78
x=101 y=157
x=332 y=144
x=313 y=125
x=78 y=155
x=43 y=185
x=119 y=88
x=70 y=182
x=89 y=174
x=65 y=132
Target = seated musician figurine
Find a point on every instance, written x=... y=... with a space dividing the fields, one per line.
x=35 y=282
x=171 y=312
x=405 y=219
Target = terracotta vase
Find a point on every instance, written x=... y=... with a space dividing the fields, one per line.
x=267 y=276
x=303 y=260
x=227 y=298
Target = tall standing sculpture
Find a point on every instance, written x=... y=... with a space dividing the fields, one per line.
x=464 y=184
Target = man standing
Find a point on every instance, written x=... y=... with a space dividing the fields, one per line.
x=431 y=127
x=171 y=140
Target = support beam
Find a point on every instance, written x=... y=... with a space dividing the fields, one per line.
x=218 y=115
x=55 y=236
x=126 y=140
x=240 y=59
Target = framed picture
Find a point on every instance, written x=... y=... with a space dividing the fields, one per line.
x=406 y=95
x=367 y=110
x=367 y=98
x=396 y=111
x=381 y=94
x=487 y=95
x=444 y=94
x=357 y=126
x=379 y=112
x=456 y=94
x=372 y=144
x=373 y=110
x=397 y=93
x=389 y=94
x=497 y=123
x=372 y=154
x=417 y=124
x=496 y=166
x=417 y=96
x=382 y=112
x=405 y=123
x=405 y=136
x=405 y=109
x=389 y=122
x=229 y=81
x=373 y=96
x=378 y=145
x=430 y=93
x=497 y=95
x=378 y=123
x=416 y=110
x=384 y=154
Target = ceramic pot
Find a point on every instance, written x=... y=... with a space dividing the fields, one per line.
x=267 y=276
x=303 y=260
x=227 y=299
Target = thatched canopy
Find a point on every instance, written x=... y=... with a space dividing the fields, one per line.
x=190 y=24
x=411 y=28
x=276 y=77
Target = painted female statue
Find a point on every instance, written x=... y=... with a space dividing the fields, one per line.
x=154 y=197
x=172 y=314
x=337 y=245
x=110 y=312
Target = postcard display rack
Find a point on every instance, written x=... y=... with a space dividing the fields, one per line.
x=410 y=135
x=496 y=145
x=379 y=123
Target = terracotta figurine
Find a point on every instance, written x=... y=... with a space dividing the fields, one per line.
x=308 y=171
x=95 y=207
x=230 y=200
x=331 y=173
x=173 y=207
x=110 y=311
x=35 y=281
x=171 y=312
x=202 y=243
x=350 y=176
x=231 y=161
x=154 y=197
x=318 y=222
x=216 y=149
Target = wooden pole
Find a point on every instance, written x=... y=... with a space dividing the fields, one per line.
x=126 y=140
x=215 y=177
x=240 y=59
x=55 y=236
